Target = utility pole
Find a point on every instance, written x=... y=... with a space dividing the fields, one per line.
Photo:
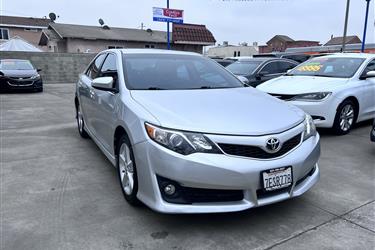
x=365 y=29
x=345 y=26
x=168 y=36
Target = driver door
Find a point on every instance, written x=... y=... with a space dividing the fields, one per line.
x=367 y=101
x=105 y=103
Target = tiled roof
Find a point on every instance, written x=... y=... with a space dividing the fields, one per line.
x=193 y=34
x=98 y=33
x=283 y=38
x=24 y=21
x=338 y=40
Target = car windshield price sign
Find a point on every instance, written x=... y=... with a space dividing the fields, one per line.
x=168 y=15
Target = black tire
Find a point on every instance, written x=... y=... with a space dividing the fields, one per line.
x=130 y=194
x=338 y=127
x=81 y=127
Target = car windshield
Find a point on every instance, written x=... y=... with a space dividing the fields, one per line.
x=15 y=65
x=243 y=67
x=170 y=72
x=341 y=67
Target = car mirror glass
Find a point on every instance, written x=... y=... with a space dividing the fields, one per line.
x=370 y=74
x=103 y=83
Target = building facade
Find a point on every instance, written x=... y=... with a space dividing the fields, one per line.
x=27 y=28
x=92 y=39
x=280 y=43
x=227 y=50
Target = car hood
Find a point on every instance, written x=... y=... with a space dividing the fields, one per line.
x=232 y=111
x=301 y=84
x=19 y=73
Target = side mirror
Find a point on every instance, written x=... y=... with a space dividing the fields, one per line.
x=38 y=70
x=103 y=83
x=369 y=74
x=259 y=75
x=288 y=71
x=243 y=79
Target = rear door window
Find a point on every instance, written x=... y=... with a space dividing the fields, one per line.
x=270 y=68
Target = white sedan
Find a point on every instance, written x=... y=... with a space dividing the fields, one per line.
x=336 y=90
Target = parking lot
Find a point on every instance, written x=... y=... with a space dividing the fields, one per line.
x=59 y=191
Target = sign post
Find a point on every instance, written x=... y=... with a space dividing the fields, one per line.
x=169 y=16
x=364 y=32
x=168 y=36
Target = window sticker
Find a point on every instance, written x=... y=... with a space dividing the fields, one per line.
x=312 y=67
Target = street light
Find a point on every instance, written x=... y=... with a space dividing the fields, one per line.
x=345 y=26
x=168 y=36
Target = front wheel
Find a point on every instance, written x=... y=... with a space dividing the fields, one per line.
x=345 y=117
x=81 y=123
x=127 y=171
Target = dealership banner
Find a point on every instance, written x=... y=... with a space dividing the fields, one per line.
x=168 y=15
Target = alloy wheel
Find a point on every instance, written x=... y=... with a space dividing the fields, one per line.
x=126 y=169
x=346 y=117
x=80 y=120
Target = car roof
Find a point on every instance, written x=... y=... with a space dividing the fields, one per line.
x=266 y=59
x=351 y=55
x=153 y=51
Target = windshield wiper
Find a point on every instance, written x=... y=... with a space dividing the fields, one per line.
x=155 y=88
x=324 y=75
x=206 y=87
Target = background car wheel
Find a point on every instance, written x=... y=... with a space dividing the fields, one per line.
x=127 y=171
x=81 y=123
x=345 y=118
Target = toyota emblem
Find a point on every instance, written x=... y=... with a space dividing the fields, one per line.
x=273 y=145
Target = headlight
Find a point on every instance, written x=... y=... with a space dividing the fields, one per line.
x=310 y=129
x=181 y=142
x=34 y=77
x=319 y=96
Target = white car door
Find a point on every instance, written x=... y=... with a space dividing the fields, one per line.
x=367 y=100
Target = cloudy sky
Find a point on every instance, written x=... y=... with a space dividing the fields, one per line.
x=229 y=20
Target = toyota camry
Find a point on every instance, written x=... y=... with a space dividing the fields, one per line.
x=186 y=136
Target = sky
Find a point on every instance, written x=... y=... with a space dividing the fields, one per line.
x=229 y=20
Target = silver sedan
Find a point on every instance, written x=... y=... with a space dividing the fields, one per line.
x=186 y=136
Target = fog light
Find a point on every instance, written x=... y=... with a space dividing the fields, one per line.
x=170 y=189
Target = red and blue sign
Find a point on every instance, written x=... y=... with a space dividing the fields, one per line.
x=168 y=15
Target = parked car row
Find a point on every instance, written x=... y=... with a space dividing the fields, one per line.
x=16 y=74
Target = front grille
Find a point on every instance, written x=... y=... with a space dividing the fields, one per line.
x=19 y=83
x=195 y=195
x=257 y=152
x=19 y=78
x=283 y=97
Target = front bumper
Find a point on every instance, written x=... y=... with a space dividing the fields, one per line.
x=7 y=84
x=221 y=172
x=323 y=112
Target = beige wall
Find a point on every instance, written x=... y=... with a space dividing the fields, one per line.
x=228 y=51
x=30 y=36
x=95 y=46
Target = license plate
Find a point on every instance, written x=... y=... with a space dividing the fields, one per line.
x=277 y=178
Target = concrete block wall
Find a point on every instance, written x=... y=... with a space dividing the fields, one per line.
x=56 y=67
